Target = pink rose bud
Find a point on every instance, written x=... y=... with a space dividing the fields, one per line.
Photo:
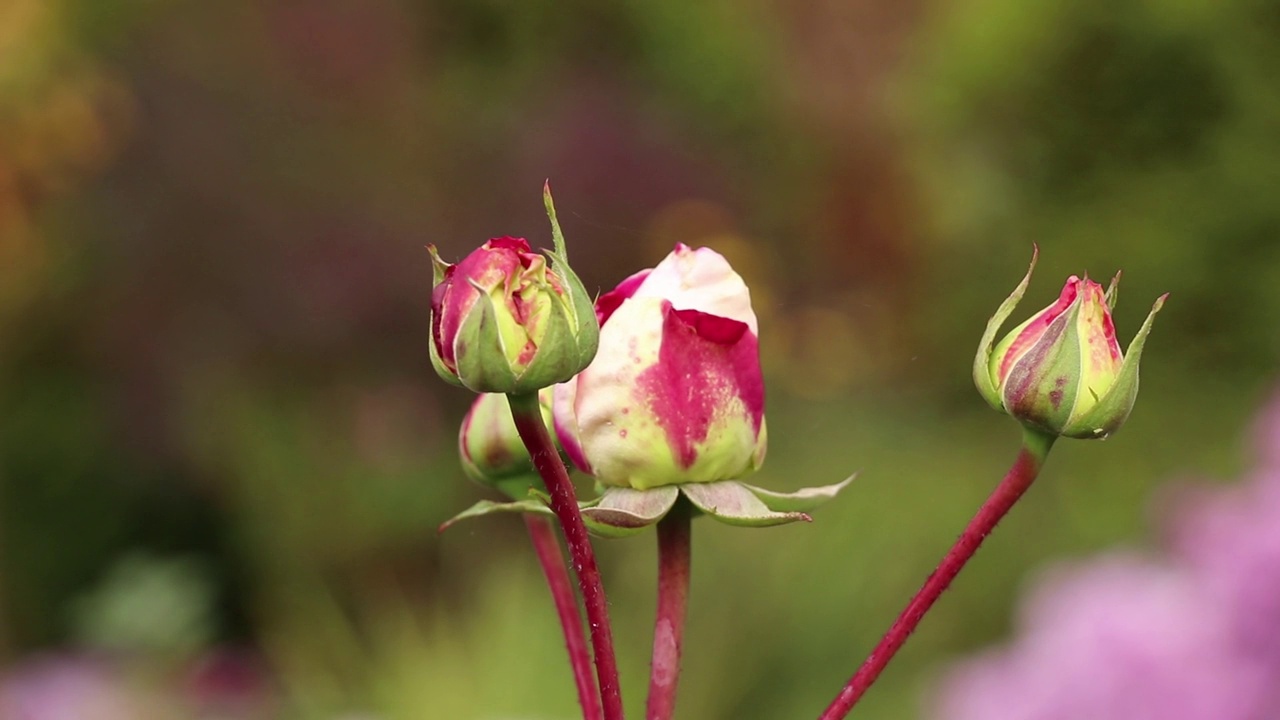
x=675 y=394
x=491 y=449
x=1062 y=371
x=504 y=320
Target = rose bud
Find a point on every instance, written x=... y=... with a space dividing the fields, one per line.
x=1062 y=371
x=675 y=394
x=490 y=448
x=505 y=320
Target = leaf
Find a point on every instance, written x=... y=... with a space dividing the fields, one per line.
x=489 y=507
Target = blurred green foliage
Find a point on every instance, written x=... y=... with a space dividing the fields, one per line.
x=213 y=313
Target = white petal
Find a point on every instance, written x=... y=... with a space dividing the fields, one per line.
x=703 y=280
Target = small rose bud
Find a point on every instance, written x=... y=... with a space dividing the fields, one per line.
x=675 y=394
x=1062 y=371
x=491 y=450
x=504 y=320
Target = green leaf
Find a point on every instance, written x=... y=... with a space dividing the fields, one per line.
x=489 y=507
x=732 y=503
x=802 y=500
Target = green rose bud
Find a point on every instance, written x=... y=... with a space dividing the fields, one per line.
x=490 y=448
x=1062 y=371
x=505 y=320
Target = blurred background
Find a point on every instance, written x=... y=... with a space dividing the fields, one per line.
x=223 y=451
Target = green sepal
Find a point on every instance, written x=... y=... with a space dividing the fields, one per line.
x=982 y=362
x=802 y=500
x=557 y=237
x=732 y=503
x=1060 y=358
x=623 y=511
x=438 y=267
x=1114 y=407
x=583 y=308
x=1113 y=292
x=483 y=365
x=555 y=360
x=445 y=373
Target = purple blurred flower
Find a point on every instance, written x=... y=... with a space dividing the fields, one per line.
x=1120 y=638
x=1230 y=539
x=1193 y=636
x=66 y=688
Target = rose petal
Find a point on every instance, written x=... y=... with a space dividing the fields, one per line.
x=672 y=396
x=700 y=280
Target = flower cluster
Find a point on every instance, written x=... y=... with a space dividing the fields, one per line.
x=656 y=392
x=1190 y=634
x=671 y=405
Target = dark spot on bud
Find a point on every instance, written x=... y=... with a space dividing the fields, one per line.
x=1055 y=395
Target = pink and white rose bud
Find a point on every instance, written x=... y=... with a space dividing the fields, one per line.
x=675 y=394
x=1062 y=371
x=505 y=320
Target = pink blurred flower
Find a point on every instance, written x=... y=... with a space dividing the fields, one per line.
x=66 y=688
x=1120 y=638
x=1230 y=538
x=230 y=683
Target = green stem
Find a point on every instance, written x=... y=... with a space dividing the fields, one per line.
x=527 y=414
x=1035 y=449
x=674 y=550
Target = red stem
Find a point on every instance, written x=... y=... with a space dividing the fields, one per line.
x=1015 y=483
x=564 y=503
x=674 y=545
x=543 y=536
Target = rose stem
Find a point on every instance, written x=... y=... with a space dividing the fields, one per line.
x=545 y=544
x=674 y=542
x=564 y=503
x=1035 y=448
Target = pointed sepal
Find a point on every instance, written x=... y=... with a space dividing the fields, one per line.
x=982 y=362
x=484 y=367
x=1114 y=406
x=802 y=500
x=1113 y=291
x=622 y=511
x=438 y=267
x=732 y=503
x=557 y=237
x=582 y=308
